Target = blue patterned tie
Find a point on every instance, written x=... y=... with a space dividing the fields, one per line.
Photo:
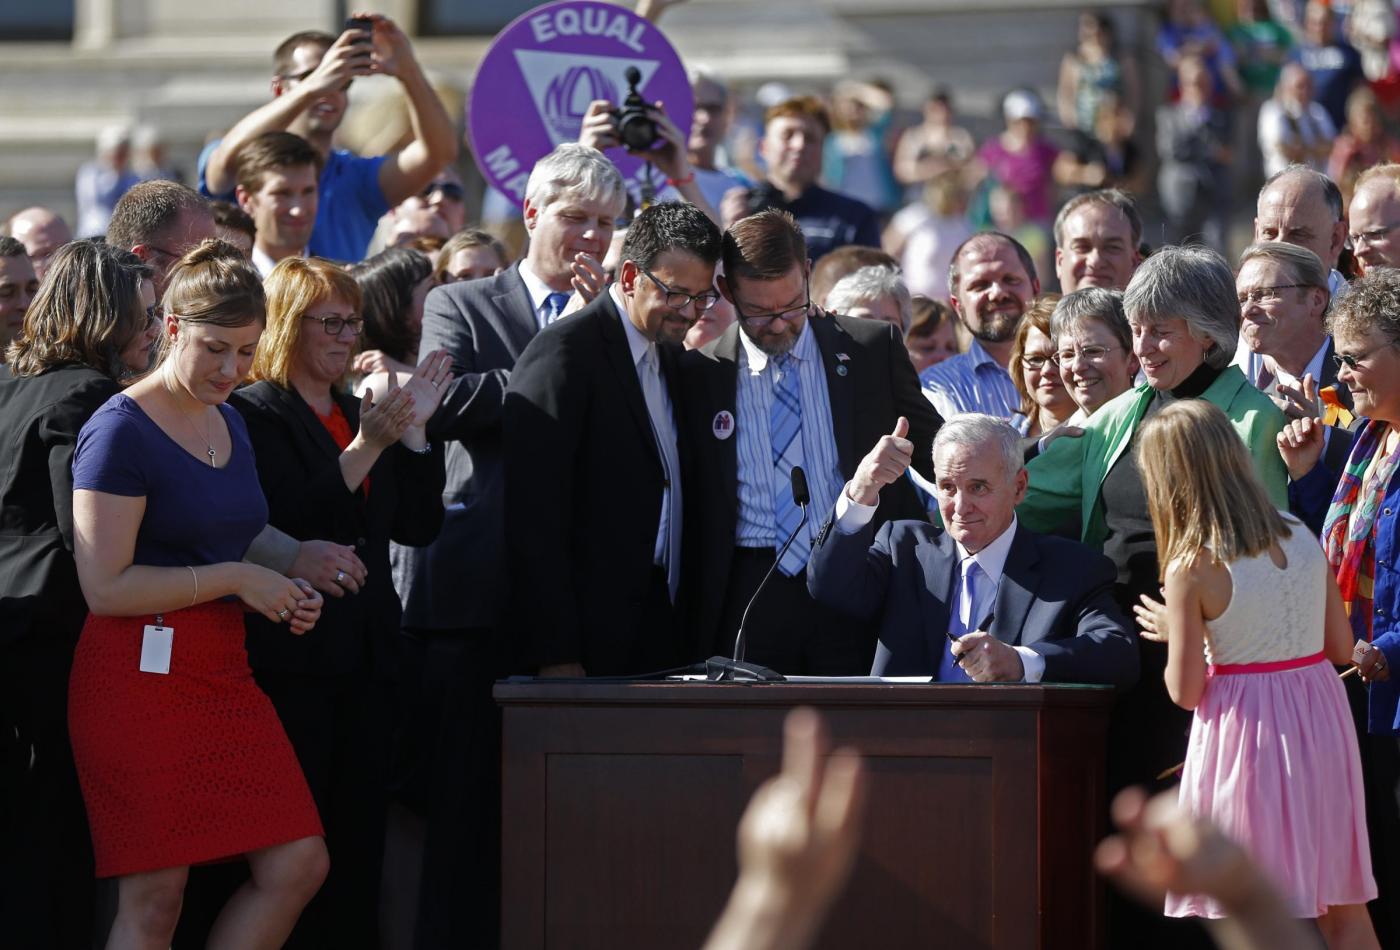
x=962 y=620
x=556 y=304
x=785 y=434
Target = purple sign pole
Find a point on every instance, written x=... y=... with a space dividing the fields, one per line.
x=537 y=79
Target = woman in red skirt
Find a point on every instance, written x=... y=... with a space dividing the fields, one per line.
x=181 y=757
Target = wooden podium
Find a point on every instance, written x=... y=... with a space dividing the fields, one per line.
x=621 y=803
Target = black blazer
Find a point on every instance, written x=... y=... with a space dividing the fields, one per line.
x=584 y=483
x=299 y=468
x=870 y=389
x=40 y=417
x=458 y=581
x=1055 y=597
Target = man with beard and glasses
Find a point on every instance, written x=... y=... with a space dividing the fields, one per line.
x=990 y=283
x=787 y=385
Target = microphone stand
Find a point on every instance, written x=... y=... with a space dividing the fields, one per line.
x=734 y=669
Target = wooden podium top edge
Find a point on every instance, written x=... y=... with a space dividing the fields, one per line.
x=963 y=696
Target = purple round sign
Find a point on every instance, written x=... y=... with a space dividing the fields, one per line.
x=537 y=79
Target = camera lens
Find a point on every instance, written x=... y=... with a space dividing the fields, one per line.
x=637 y=131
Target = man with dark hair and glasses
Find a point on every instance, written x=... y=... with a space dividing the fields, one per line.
x=788 y=385
x=312 y=75
x=594 y=487
x=160 y=221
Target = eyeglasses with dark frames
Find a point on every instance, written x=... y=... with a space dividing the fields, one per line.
x=1348 y=361
x=760 y=320
x=334 y=324
x=677 y=299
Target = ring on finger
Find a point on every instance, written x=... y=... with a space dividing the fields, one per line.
x=340 y=577
x=282 y=614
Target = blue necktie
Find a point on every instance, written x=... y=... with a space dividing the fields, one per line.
x=962 y=620
x=785 y=434
x=556 y=304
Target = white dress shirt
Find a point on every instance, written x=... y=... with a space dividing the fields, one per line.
x=851 y=516
x=264 y=262
x=539 y=295
x=645 y=360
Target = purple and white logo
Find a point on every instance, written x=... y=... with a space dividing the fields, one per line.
x=537 y=79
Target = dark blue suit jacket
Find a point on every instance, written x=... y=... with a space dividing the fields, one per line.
x=1055 y=597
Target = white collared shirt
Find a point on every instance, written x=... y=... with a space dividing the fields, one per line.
x=663 y=424
x=539 y=295
x=852 y=516
x=264 y=263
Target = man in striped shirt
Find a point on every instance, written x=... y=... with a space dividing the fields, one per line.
x=787 y=385
x=991 y=282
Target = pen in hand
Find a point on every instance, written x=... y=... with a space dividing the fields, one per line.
x=984 y=627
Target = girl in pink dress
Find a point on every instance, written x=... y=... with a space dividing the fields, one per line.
x=1253 y=623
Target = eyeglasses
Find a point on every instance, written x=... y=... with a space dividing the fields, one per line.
x=1266 y=294
x=160 y=250
x=334 y=324
x=677 y=299
x=760 y=320
x=1093 y=353
x=1373 y=236
x=1036 y=362
x=450 y=190
x=1351 y=362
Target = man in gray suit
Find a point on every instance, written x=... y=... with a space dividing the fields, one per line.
x=453 y=590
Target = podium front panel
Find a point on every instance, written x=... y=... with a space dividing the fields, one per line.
x=621 y=805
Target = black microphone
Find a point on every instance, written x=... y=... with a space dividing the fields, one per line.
x=718 y=667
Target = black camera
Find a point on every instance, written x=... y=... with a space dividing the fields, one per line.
x=635 y=126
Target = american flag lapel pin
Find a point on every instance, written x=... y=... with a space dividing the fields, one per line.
x=841 y=359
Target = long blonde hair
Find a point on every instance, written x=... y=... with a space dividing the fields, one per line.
x=1202 y=491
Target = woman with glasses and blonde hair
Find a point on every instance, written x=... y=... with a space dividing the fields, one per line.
x=360 y=472
x=181 y=757
x=1045 y=403
x=87 y=331
x=1253 y=622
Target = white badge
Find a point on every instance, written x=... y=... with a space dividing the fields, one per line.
x=723 y=424
x=155 y=649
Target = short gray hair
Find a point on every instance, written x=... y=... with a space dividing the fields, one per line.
x=978 y=428
x=1330 y=193
x=1114 y=198
x=1195 y=284
x=870 y=284
x=1097 y=304
x=1301 y=264
x=578 y=170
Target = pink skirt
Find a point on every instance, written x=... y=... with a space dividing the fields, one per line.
x=1273 y=762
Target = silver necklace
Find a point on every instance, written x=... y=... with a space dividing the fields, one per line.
x=208 y=445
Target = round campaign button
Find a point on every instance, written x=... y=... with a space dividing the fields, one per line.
x=723 y=424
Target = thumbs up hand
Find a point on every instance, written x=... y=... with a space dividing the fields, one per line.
x=884 y=464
